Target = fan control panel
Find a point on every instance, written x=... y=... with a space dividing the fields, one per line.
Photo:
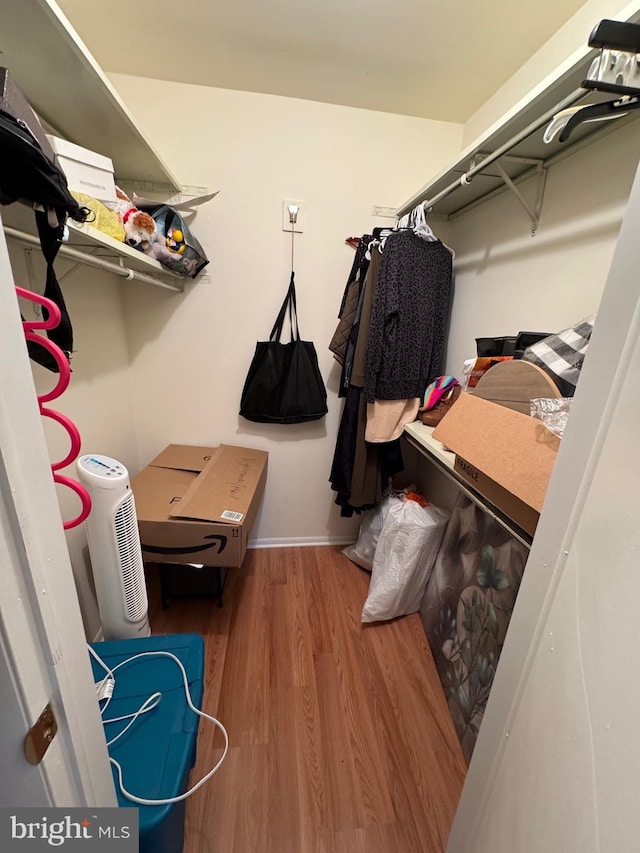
x=101 y=467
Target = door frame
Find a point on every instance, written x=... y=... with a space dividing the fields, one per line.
x=42 y=639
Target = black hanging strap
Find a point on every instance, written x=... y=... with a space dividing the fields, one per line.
x=289 y=303
x=62 y=334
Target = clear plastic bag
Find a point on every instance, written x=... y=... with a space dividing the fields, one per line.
x=553 y=412
x=406 y=551
x=362 y=552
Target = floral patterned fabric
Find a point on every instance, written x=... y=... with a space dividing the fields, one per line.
x=466 y=610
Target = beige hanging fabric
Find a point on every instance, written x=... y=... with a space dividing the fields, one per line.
x=386 y=418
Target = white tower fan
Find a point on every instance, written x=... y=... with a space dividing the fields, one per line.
x=114 y=547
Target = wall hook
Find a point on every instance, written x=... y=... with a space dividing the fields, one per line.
x=293 y=213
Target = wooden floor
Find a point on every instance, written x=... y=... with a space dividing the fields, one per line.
x=340 y=738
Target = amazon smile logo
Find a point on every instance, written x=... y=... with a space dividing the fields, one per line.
x=220 y=541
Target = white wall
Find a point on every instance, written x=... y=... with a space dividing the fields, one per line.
x=190 y=353
x=98 y=399
x=507 y=281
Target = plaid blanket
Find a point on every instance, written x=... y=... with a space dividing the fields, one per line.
x=561 y=355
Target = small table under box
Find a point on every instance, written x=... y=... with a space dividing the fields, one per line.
x=180 y=580
x=158 y=751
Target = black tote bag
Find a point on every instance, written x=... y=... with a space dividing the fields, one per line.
x=284 y=384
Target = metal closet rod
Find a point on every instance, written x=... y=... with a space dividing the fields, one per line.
x=544 y=119
x=94 y=261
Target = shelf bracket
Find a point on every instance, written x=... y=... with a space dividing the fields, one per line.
x=541 y=172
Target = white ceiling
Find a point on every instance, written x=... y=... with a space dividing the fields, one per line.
x=438 y=59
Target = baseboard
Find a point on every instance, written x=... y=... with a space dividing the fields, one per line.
x=301 y=542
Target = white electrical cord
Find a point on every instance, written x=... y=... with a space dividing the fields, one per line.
x=148 y=705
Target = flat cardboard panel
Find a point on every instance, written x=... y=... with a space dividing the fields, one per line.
x=156 y=489
x=184 y=457
x=226 y=485
x=524 y=516
x=513 y=449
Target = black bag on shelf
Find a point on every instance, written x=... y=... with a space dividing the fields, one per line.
x=176 y=247
x=508 y=346
x=527 y=339
x=495 y=347
x=30 y=173
x=284 y=384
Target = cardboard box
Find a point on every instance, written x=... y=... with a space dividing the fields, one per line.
x=198 y=504
x=86 y=171
x=504 y=455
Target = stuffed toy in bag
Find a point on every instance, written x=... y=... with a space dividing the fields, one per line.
x=139 y=228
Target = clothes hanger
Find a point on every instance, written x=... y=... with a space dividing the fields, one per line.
x=616 y=70
x=382 y=231
x=417 y=221
x=420 y=225
x=64 y=376
x=379 y=235
x=560 y=121
x=376 y=242
x=598 y=112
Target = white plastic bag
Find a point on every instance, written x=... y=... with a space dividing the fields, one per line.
x=404 y=556
x=361 y=553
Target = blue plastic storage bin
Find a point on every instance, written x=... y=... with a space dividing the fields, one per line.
x=159 y=749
